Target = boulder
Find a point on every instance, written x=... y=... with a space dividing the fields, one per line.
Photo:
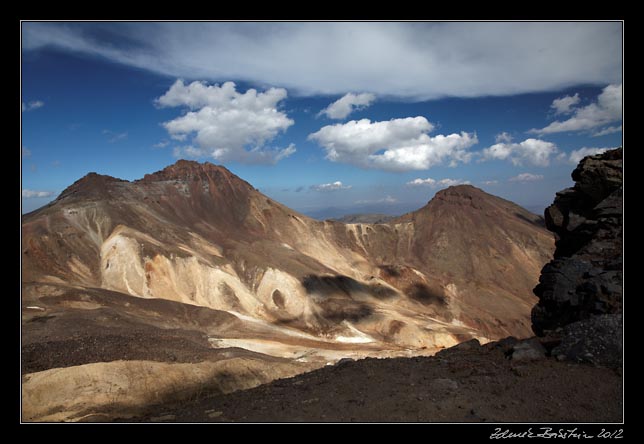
x=598 y=176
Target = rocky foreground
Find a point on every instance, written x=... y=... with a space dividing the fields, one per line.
x=466 y=383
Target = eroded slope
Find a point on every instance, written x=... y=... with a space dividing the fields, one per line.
x=226 y=268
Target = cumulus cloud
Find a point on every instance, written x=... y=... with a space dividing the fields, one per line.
x=526 y=177
x=348 y=103
x=565 y=105
x=393 y=145
x=422 y=182
x=530 y=151
x=226 y=125
x=503 y=138
x=26 y=152
x=429 y=182
x=490 y=182
x=607 y=109
x=333 y=186
x=35 y=104
x=577 y=155
x=410 y=60
x=30 y=194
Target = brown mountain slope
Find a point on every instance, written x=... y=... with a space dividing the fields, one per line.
x=290 y=288
x=572 y=373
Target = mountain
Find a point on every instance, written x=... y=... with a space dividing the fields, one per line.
x=191 y=279
x=571 y=372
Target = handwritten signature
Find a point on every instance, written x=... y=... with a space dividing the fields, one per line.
x=550 y=433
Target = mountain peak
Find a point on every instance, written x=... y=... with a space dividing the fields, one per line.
x=461 y=190
x=461 y=194
x=92 y=184
x=187 y=170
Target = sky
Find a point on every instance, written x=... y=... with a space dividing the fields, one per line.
x=327 y=118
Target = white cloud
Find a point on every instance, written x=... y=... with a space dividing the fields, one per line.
x=577 y=155
x=411 y=60
x=348 y=103
x=333 y=186
x=608 y=130
x=429 y=182
x=452 y=182
x=526 y=177
x=393 y=145
x=30 y=194
x=26 y=152
x=34 y=104
x=490 y=182
x=226 y=125
x=503 y=137
x=422 y=182
x=565 y=105
x=386 y=200
x=280 y=154
x=607 y=109
x=531 y=151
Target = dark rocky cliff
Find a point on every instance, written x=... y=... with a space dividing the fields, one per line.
x=580 y=291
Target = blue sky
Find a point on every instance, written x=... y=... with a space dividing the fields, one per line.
x=327 y=118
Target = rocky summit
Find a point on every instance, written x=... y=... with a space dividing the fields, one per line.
x=192 y=281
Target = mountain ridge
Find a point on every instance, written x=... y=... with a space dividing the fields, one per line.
x=225 y=210
x=571 y=372
x=310 y=292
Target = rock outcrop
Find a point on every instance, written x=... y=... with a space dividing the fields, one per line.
x=584 y=281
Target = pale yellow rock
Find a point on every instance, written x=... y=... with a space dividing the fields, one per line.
x=64 y=394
